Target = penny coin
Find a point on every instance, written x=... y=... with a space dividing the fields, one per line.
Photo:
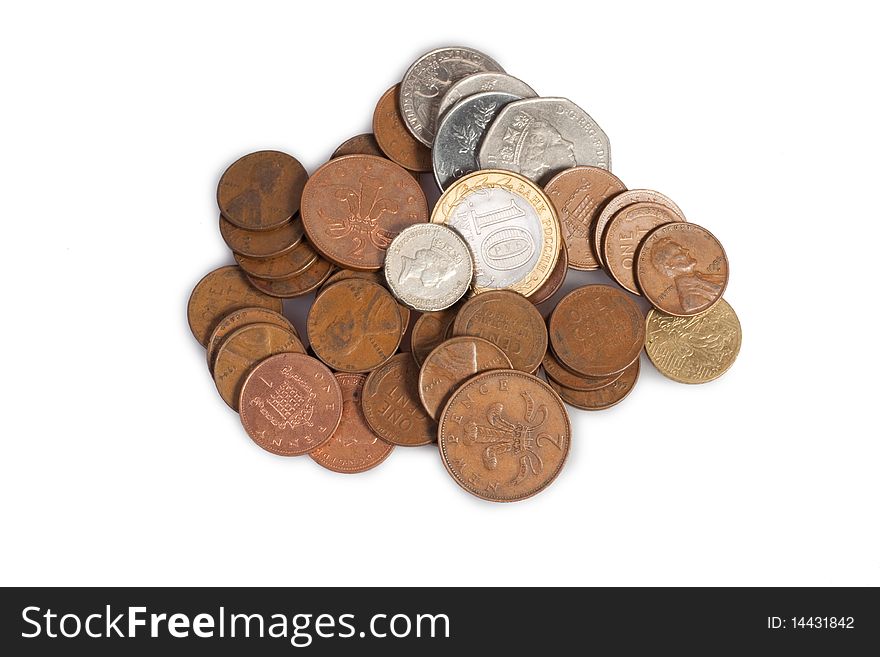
x=355 y=205
x=374 y=276
x=392 y=407
x=244 y=348
x=624 y=233
x=605 y=397
x=560 y=374
x=218 y=294
x=354 y=325
x=451 y=364
x=291 y=404
x=394 y=138
x=682 y=269
x=597 y=330
x=428 y=79
x=262 y=190
x=359 y=145
x=309 y=280
x=261 y=243
x=508 y=320
x=474 y=84
x=617 y=203
x=428 y=267
x=504 y=435
x=238 y=318
x=429 y=331
x=353 y=447
x=694 y=349
x=539 y=137
x=279 y=267
x=557 y=277
x=509 y=225
x=578 y=194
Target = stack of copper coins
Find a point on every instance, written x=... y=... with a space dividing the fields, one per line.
x=527 y=194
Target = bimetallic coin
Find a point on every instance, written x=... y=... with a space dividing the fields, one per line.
x=558 y=373
x=553 y=284
x=279 y=267
x=428 y=79
x=509 y=225
x=539 y=137
x=504 y=435
x=682 y=269
x=394 y=138
x=460 y=132
x=428 y=267
x=429 y=331
x=602 y=398
x=290 y=404
x=306 y=281
x=474 y=84
x=392 y=407
x=364 y=144
x=261 y=243
x=238 y=318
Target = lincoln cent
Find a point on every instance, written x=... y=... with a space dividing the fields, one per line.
x=392 y=407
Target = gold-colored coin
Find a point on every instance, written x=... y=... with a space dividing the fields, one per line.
x=694 y=349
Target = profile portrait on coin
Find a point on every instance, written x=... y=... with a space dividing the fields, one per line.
x=429 y=266
x=349 y=330
x=542 y=148
x=248 y=203
x=695 y=289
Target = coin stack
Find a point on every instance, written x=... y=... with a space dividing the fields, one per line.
x=527 y=194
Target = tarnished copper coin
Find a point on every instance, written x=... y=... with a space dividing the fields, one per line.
x=429 y=331
x=261 y=243
x=354 y=325
x=625 y=232
x=392 y=407
x=218 y=294
x=244 y=348
x=279 y=267
x=355 y=205
x=290 y=404
x=597 y=330
x=682 y=269
x=553 y=284
x=262 y=190
x=309 y=280
x=238 y=318
x=508 y=320
x=504 y=435
x=578 y=194
x=394 y=138
x=451 y=364
x=353 y=447
x=359 y=145
x=560 y=374
x=605 y=397
x=374 y=276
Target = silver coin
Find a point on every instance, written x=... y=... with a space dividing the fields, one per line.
x=539 y=137
x=427 y=80
x=428 y=267
x=460 y=132
x=474 y=84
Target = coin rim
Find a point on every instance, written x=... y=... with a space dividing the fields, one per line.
x=638 y=367
x=372 y=373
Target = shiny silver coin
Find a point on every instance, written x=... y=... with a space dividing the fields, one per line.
x=427 y=80
x=428 y=267
x=460 y=133
x=474 y=84
x=539 y=137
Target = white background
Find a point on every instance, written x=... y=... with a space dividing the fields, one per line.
x=120 y=463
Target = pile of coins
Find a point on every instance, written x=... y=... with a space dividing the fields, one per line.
x=527 y=194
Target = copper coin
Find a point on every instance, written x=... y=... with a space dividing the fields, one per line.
x=559 y=373
x=353 y=447
x=355 y=205
x=508 y=320
x=429 y=331
x=218 y=294
x=504 y=435
x=290 y=404
x=605 y=397
x=597 y=330
x=262 y=190
x=238 y=318
x=451 y=364
x=354 y=325
x=392 y=407
x=394 y=138
x=625 y=232
x=578 y=194
x=616 y=204
x=376 y=277
x=554 y=283
x=309 y=280
x=279 y=267
x=244 y=348
x=359 y=145
x=261 y=243
x=682 y=269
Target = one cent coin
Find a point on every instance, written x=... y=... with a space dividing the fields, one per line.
x=394 y=138
x=364 y=144
x=504 y=435
x=579 y=194
x=353 y=447
x=355 y=205
x=451 y=364
x=262 y=190
x=218 y=294
x=560 y=374
x=392 y=407
x=508 y=320
x=553 y=284
x=694 y=349
x=429 y=331
x=309 y=280
x=291 y=404
x=374 y=276
x=238 y=318
x=261 y=243
x=279 y=267
x=605 y=397
x=354 y=325
x=597 y=330
x=682 y=269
